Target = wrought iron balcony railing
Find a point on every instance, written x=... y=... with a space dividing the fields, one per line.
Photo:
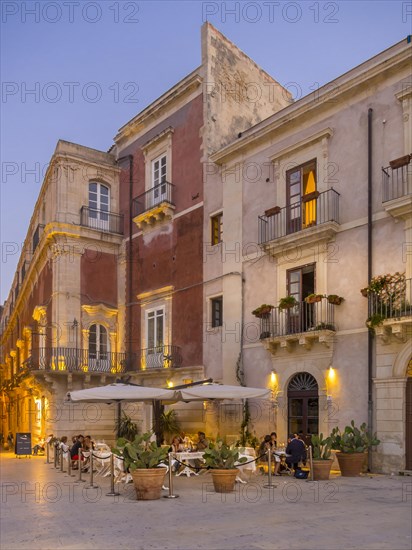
x=396 y=182
x=299 y=319
x=107 y=222
x=159 y=357
x=314 y=209
x=80 y=360
x=389 y=306
x=153 y=197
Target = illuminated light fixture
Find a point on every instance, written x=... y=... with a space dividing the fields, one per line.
x=273 y=378
x=331 y=374
x=169 y=383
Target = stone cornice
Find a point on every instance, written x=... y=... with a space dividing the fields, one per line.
x=318 y=136
x=180 y=90
x=397 y=56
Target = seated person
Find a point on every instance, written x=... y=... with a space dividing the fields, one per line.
x=266 y=445
x=201 y=445
x=39 y=447
x=296 y=448
x=74 y=451
x=176 y=447
x=63 y=444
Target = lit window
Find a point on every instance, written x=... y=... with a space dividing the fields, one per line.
x=217 y=228
x=217 y=311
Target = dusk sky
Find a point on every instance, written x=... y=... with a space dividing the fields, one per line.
x=79 y=70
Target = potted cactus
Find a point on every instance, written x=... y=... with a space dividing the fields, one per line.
x=352 y=445
x=142 y=458
x=321 y=457
x=221 y=459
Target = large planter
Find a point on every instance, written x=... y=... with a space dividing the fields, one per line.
x=148 y=482
x=350 y=464
x=321 y=469
x=224 y=480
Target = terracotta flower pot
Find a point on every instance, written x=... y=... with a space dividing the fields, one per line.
x=224 y=480
x=321 y=469
x=148 y=483
x=350 y=464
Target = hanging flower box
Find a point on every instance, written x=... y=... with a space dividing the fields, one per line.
x=287 y=303
x=399 y=162
x=335 y=299
x=263 y=311
x=313 y=298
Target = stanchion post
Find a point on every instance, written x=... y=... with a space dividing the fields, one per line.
x=56 y=457
x=61 y=460
x=91 y=484
x=69 y=464
x=112 y=491
x=79 y=461
x=312 y=477
x=47 y=453
x=269 y=484
x=170 y=495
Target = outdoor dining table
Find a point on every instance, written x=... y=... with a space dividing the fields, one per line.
x=190 y=457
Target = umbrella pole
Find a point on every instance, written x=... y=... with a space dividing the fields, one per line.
x=118 y=418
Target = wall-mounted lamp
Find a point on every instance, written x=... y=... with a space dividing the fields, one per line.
x=169 y=383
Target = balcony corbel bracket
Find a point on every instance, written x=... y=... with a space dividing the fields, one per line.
x=399 y=332
x=286 y=344
x=324 y=339
x=305 y=342
x=383 y=333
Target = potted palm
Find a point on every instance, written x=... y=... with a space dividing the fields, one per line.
x=287 y=303
x=142 y=459
x=352 y=444
x=221 y=459
x=321 y=457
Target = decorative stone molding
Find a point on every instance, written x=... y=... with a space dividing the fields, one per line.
x=160 y=213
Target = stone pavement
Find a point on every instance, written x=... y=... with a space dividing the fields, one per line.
x=43 y=508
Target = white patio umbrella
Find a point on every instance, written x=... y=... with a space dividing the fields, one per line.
x=222 y=391
x=121 y=392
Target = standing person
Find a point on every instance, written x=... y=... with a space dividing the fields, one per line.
x=74 y=451
x=10 y=441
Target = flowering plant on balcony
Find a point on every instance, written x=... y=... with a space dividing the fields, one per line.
x=335 y=299
x=312 y=298
x=287 y=303
x=388 y=288
x=262 y=311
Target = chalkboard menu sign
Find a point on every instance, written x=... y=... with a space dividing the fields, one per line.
x=23 y=444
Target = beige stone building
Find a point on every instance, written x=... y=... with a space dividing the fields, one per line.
x=310 y=204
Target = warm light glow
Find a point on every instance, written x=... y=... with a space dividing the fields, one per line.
x=331 y=374
x=273 y=379
x=170 y=384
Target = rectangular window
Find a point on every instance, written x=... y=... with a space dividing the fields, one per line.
x=217 y=311
x=159 y=170
x=155 y=329
x=217 y=228
x=301 y=196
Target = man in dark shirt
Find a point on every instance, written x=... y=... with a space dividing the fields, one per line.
x=297 y=451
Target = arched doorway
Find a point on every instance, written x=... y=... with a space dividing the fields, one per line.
x=408 y=418
x=303 y=406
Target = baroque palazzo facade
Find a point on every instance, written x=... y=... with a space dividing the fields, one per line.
x=147 y=261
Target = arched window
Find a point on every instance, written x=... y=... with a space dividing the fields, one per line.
x=99 y=348
x=303 y=405
x=99 y=205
